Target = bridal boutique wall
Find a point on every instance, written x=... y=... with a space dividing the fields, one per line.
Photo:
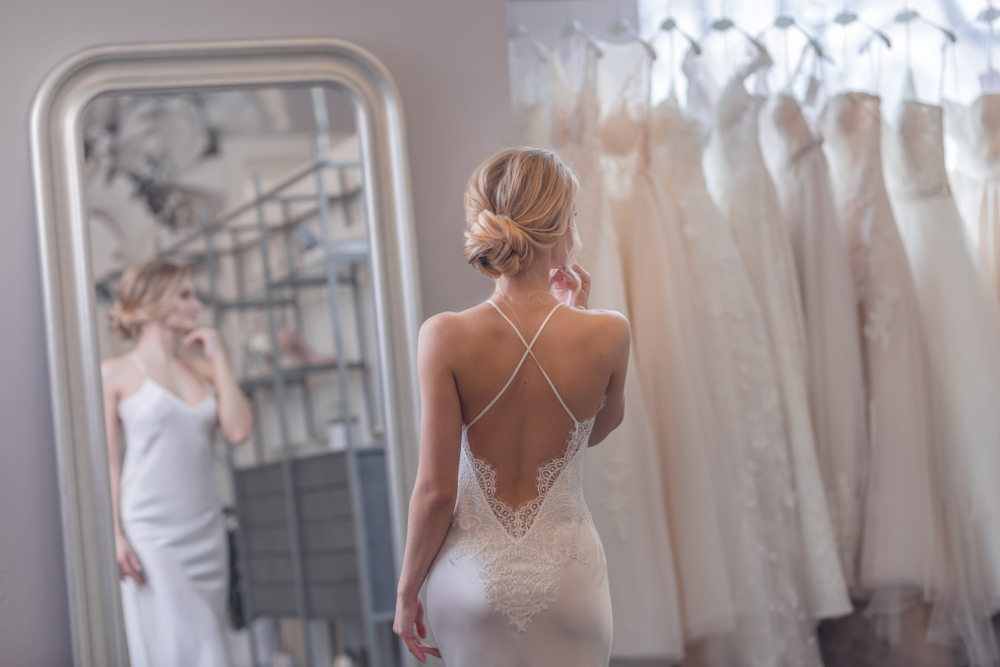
x=449 y=59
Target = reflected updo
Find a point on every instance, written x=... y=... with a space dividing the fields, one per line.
x=517 y=202
x=146 y=293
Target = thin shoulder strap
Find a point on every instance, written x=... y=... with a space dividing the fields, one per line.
x=528 y=350
x=138 y=362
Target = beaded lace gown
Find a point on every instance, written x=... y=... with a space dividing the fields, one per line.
x=622 y=478
x=172 y=516
x=975 y=179
x=523 y=586
x=961 y=321
x=833 y=334
x=747 y=195
x=666 y=343
x=751 y=458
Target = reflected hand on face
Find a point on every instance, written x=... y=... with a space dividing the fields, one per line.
x=128 y=562
x=409 y=616
x=571 y=285
x=207 y=338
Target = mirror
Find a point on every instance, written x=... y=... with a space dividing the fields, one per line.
x=280 y=208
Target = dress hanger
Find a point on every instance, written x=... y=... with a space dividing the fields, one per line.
x=989 y=81
x=670 y=26
x=573 y=27
x=783 y=21
x=847 y=18
x=622 y=27
x=520 y=31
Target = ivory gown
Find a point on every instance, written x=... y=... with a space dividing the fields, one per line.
x=975 y=180
x=751 y=464
x=833 y=334
x=748 y=198
x=172 y=516
x=622 y=477
x=524 y=586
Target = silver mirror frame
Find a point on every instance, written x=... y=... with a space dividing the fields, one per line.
x=71 y=328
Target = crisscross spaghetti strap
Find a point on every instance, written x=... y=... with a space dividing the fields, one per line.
x=528 y=350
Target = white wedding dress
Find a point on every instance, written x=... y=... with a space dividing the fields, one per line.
x=975 y=180
x=172 y=517
x=833 y=334
x=622 y=478
x=666 y=344
x=524 y=586
x=751 y=465
x=744 y=189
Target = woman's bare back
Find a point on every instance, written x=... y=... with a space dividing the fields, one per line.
x=528 y=426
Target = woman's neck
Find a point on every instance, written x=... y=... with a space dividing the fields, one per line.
x=529 y=287
x=157 y=343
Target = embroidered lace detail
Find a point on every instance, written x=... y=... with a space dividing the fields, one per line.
x=521 y=550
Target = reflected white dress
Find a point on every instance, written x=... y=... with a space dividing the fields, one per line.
x=172 y=516
x=622 y=477
x=747 y=195
x=751 y=464
x=833 y=334
x=975 y=181
x=666 y=344
x=525 y=586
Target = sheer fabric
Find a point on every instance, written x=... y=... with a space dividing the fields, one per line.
x=172 y=516
x=622 y=478
x=833 y=333
x=751 y=465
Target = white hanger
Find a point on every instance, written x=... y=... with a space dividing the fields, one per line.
x=669 y=26
x=574 y=27
x=519 y=31
x=622 y=27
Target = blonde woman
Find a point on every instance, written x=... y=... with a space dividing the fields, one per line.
x=513 y=391
x=163 y=401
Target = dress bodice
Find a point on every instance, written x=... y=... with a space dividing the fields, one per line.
x=679 y=141
x=914 y=150
x=852 y=127
x=786 y=117
x=976 y=129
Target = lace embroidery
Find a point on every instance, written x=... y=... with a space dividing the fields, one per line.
x=879 y=316
x=521 y=550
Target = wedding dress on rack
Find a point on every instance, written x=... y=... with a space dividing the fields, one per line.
x=975 y=180
x=666 y=343
x=622 y=479
x=529 y=90
x=750 y=459
x=961 y=321
x=833 y=334
x=747 y=195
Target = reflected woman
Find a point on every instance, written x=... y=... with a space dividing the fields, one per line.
x=164 y=403
x=513 y=391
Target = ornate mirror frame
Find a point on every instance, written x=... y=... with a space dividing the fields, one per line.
x=71 y=327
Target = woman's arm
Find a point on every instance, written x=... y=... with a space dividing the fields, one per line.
x=617 y=344
x=433 y=501
x=235 y=415
x=128 y=562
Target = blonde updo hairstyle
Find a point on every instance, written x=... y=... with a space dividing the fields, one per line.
x=146 y=293
x=518 y=202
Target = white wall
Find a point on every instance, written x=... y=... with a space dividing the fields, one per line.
x=448 y=58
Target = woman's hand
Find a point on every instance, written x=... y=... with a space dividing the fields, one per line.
x=571 y=285
x=410 y=615
x=128 y=562
x=209 y=340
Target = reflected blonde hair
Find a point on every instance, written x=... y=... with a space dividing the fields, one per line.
x=518 y=202
x=146 y=293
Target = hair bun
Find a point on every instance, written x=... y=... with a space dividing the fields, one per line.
x=126 y=324
x=497 y=245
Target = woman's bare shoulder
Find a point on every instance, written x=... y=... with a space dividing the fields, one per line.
x=116 y=370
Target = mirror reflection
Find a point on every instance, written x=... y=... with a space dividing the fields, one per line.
x=229 y=244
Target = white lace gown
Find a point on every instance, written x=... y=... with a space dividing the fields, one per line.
x=622 y=478
x=172 y=516
x=740 y=181
x=666 y=344
x=975 y=180
x=523 y=586
x=961 y=321
x=751 y=463
x=833 y=333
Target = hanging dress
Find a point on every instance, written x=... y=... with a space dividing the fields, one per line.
x=975 y=180
x=666 y=343
x=833 y=334
x=522 y=586
x=172 y=516
x=751 y=463
x=747 y=196
x=529 y=94
x=622 y=479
